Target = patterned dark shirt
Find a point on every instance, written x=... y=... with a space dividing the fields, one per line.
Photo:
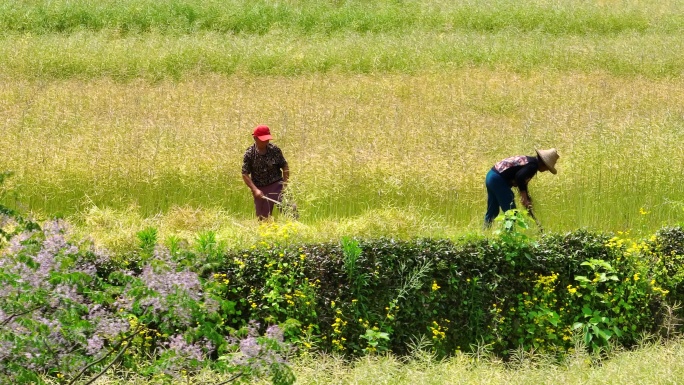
x=518 y=170
x=264 y=169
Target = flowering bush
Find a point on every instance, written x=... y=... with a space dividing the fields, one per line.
x=70 y=311
x=510 y=291
x=67 y=311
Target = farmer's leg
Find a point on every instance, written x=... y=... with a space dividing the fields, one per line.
x=272 y=191
x=262 y=207
x=492 y=203
x=499 y=194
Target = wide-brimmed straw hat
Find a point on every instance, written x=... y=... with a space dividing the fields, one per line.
x=549 y=157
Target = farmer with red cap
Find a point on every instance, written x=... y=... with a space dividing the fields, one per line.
x=515 y=171
x=265 y=171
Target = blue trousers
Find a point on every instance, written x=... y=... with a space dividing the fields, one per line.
x=499 y=195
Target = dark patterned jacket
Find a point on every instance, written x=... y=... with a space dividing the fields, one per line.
x=264 y=169
x=518 y=170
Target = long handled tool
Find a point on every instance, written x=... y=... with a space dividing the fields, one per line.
x=529 y=211
x=288 y=208
x=272 y=200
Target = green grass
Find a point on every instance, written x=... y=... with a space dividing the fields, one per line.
x=308 y=16
x=156 y=40
x=651 y=364
x=156 y=56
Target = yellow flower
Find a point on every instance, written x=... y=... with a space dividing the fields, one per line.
x=435 y=286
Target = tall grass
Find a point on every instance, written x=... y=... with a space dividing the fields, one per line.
x=652 y=364
x=146 y=107
x=174 y=39
x=310 y=16
x=355 y=144
x=156 y=56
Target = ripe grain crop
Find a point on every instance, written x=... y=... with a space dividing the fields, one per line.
x=355 y=143
x=389 y=113
x=156 y=56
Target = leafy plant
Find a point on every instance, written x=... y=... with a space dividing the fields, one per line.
x=597 y=327
x=511 y=239
x=147 y=241
x=377 y=341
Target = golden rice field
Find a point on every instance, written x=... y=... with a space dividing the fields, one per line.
x=387 y=132
x=415 y=143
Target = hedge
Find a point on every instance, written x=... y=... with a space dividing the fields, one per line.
x=68 y=307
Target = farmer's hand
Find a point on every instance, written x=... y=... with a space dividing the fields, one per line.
x=258 y=193
x=526 y=202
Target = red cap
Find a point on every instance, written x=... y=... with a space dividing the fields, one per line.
x=262 y=133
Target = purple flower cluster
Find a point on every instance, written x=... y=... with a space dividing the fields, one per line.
x=53 y=248
x=259 y=354
x=182 y=348
x=250 y=347
x=62 y=309
x=167 y=290
x=181 y=355
x=108 y=325
x=41 y=297
x=275 y=333
x=94 y=345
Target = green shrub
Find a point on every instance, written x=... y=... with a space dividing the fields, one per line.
x=509 y=291
x=182 y=310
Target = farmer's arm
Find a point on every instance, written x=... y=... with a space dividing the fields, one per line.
x=522 y=178
x=282 y=163
x=286 y=174
x=246 y=172
x=525 y=199
x=255 y=190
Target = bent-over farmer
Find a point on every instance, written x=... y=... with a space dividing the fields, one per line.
x=516 y=171
x=265 y=171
